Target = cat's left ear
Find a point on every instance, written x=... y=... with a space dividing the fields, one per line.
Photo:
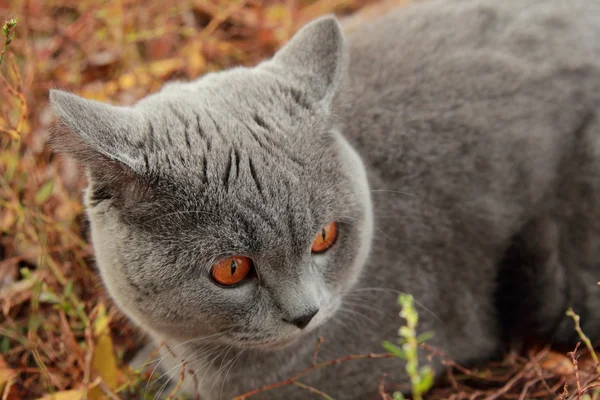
x=316 y=57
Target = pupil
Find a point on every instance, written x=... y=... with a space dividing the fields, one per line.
x=323 y=234
x=233 y=267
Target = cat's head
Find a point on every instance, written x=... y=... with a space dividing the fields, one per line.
x=229 y=206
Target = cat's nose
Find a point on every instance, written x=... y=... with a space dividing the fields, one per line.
x=303 y=320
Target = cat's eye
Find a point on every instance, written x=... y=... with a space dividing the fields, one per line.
x=232 y=270
x=325 y=238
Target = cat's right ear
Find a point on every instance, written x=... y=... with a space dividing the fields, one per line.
x=316 y=57
x=106 y=139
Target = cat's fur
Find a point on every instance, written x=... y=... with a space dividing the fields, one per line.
x=476 y=123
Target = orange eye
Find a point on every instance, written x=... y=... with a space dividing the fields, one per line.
x=325 y=239
x=232 y=270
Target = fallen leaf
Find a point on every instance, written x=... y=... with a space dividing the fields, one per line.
x=7 y=376
x=195 y=61
x=557 y=363
x=103 y=361
x=76 y=394
x=103 y=58
x=127 y=81
x=163 y=68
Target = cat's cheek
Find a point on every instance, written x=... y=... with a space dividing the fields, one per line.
x=362 y=230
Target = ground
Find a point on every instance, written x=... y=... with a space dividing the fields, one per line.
x=60 y=335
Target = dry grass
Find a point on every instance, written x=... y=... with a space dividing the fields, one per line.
x=59 y=332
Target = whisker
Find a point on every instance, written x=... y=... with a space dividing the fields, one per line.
x=237 y=357
x=173 y=371
x=217 y=374
x=361 y=314
x=176 y=347
x=396 y=292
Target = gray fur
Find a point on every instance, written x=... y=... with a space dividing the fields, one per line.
x=476 y=125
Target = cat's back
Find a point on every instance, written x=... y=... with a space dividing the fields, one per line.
x=438 y=73
x=481 y=95
x=424 y=33
x=456 y=47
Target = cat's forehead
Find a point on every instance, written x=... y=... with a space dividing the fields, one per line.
x=237 y=94
x=240 y=120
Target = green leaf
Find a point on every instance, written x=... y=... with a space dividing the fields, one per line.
x=4 y=345
x=398 y=396
x=35 y=321
x=426 y=380
x=25 y=272
x=68 y=288
x=423 y=337
x=44 y=193
x=395 y=350
x=406 y=331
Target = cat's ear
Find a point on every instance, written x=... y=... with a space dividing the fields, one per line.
x=106 y=139
x=316 y=57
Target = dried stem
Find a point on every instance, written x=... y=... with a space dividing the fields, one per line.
x=294 y=378
x=317 y=348
x=576 y=366
x=181 y=376
x=313 y=390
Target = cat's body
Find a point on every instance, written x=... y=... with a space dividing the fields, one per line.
x=477 y=125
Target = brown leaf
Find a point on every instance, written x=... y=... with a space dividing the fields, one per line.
x=7 y=377
x=557 y=363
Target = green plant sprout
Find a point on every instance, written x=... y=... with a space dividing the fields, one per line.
x=421 y=379
x=584 y=338
x=8 y=35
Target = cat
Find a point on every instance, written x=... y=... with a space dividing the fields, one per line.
x=449 y=149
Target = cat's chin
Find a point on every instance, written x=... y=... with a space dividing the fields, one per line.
x=272 y=345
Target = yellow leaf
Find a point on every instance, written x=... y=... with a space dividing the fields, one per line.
x=101 y=322
x=103 y=360
x=196 y=62
x=127 y=81
x=76 y=394
x=111 y=88
x=165 y=67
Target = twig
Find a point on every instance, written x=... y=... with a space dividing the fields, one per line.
x=8 y=35
x=181 y=377
x=590 y=387
x=583 y=337
x=564 y=393
x=517 y=377
x=294 y=378
x=106 y=390
x=317 y=348
x=313 y=390
x=504 y=389
x=447 y=361
x=382 y=393
x=526 y=388
x=539 y=372
x=7 y=389
x=576 y=366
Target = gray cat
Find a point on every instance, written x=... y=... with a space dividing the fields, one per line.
x=450 y=149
